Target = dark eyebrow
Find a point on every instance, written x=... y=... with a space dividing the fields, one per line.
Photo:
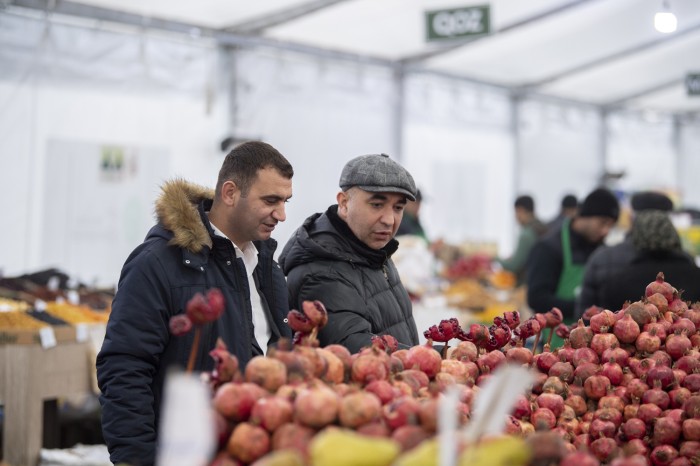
x=384 y=197
x=273 y=197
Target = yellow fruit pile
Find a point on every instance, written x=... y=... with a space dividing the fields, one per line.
x=13 y=305
x=75 y=314
x=19 y=320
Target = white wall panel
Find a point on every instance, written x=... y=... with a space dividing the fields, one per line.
x=39 y=114
x=644 y=150
x=559 y=154
x=689 y=164
x=319 y=115
x=458 y=146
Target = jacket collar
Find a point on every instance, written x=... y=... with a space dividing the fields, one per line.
x=178 y=210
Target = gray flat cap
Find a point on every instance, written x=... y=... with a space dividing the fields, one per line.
x=377 y=173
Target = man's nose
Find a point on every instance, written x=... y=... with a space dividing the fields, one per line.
x=279 y=214
x=388 y=217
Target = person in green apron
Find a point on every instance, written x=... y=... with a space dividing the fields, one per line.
x=557 y=262
x=570 y=279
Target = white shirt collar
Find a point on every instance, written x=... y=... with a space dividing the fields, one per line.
x=249 y=252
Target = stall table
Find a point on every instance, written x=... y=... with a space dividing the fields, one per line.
x=30 y=375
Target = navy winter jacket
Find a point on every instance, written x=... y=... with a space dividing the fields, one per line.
x=180 y=257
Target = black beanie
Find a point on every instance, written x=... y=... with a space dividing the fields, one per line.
x=650 y=200
x=600 y=203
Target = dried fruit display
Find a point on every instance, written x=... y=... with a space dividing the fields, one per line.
x=75 y=314
x=19 y=320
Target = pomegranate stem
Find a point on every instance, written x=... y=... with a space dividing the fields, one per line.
x=537 y=340
x=193 y=351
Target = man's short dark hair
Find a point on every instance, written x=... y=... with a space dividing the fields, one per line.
x=569 y=202
x=243 y=162
x=525 y=202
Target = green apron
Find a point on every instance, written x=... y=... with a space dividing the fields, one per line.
x=570 y=279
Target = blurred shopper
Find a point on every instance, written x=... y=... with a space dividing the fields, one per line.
x=204 y=238
x=531 y=229
x=342 y=257
x=556 y=263
x=567 y=209
x=610 y=261
x=410 y=224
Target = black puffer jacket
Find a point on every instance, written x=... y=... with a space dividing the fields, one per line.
x=615 y=274
x=359 y=286
x=545 y=265
x=180 y=257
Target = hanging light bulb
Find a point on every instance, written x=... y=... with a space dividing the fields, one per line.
x=665 y=21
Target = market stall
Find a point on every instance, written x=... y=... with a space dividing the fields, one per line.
x=47 y=355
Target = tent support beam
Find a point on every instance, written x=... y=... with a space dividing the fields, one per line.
x=617 y=104
x=398 y=114
x=515 y=102
x=611 y=57
x=257 y=25
x=603 y=136
x=222 y=37
x=677 y=146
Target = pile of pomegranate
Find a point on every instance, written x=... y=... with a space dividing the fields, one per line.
x=623 y=390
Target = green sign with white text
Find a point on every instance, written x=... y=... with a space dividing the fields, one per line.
x=692 y=83
x=456 y=23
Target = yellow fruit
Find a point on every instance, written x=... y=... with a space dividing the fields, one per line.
x=342 y=447
x=425 y=454
x=281 y=458
x=499 y=451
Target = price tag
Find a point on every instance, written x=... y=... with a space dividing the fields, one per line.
x=81 y=333
x=47 y=337
x=40 y=305
x=186 y=429
x=53 y=283
x=73 y=297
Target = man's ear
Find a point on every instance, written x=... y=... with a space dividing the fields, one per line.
x=342 y=199
x=230 y=193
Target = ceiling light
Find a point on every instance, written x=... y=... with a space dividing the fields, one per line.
x=665 y=21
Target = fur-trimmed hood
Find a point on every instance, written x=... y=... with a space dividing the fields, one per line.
x=177 y=209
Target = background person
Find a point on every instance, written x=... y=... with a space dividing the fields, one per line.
x=556 y=263
x=342 y=257
x=657 y=248
x=568 y=209
x=531 y=229
x=411 y=224
x=204 y=239
x=610 y=261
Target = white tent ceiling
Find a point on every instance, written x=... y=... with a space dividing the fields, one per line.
x=602 y=52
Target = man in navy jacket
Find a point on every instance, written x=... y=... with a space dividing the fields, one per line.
x=204 y=239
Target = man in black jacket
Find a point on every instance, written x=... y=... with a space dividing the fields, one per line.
x=343 y=257
x=204 y=239
x=556 y=263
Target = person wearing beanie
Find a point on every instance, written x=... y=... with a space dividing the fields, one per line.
x=556 y=263
x=411 y=224
x=651 y=200
x=531 y=229
x=342 y=257
x=610 y=261
x=568 y=209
